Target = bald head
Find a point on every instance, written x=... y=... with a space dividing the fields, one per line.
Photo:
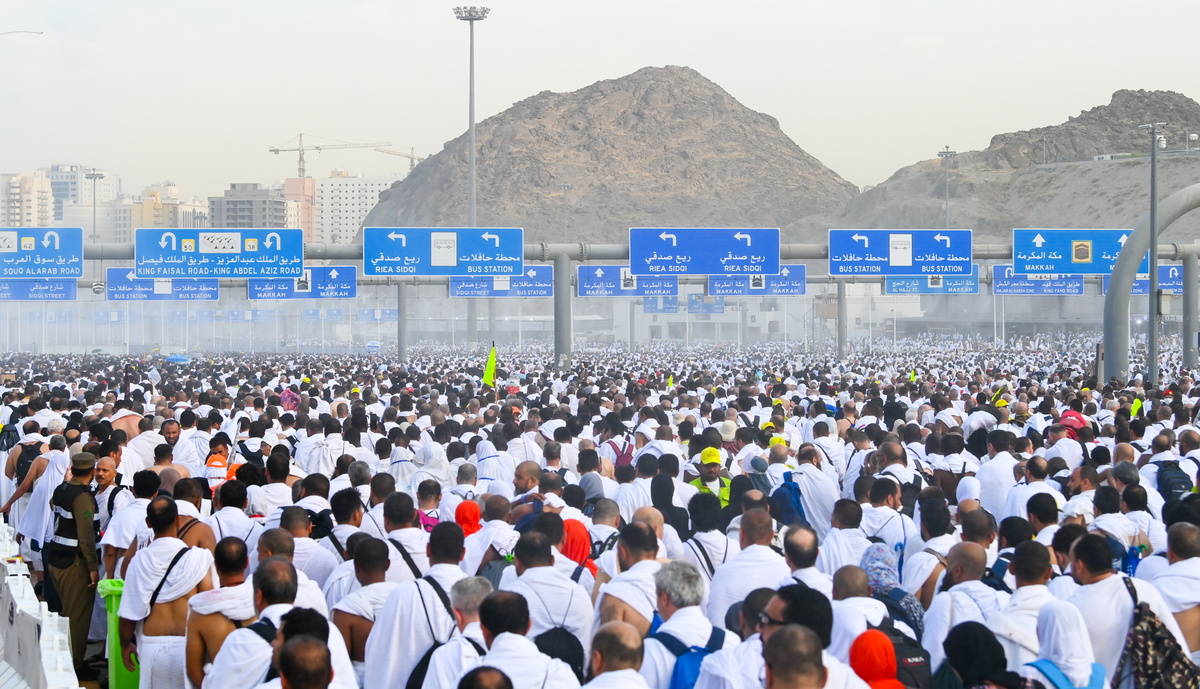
x=616 y=646
x=966 y=562
x=651 y=518
x=1183 y=541
x=1124 y=452
x=851 y=582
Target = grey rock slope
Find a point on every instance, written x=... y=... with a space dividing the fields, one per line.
x=659 y=147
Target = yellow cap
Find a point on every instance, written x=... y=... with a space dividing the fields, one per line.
x=710 y=455
x=777 y=440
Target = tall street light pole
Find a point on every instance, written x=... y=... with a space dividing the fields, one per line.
x=945 y=154
x=1156 y=142
x=470 y=15
x=94 y=176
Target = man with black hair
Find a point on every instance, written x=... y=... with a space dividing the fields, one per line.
x=793 y=660
x=923 y=570
x=1135 y=506
x=800 y=605
x=416 y=617
x=246 y=658
x=595 y=484
x=630 y=596
x=1108 y=520
x=504 y=619
x=1034 y=483
x=347 y=510
x=555 y=599
x=1106 y=604
x=1015 y=624
x=407 y=542
x=464 y=650
x=214 y=614
x=355 y=614
x=382 y=486
x=464 y=489
x=280 y=543
x=709 y=547
x=229 y=515
x=1042 y=511
x=265 y=500
x=124 y=525
x=308 y=557
x=882 y=520
x=305 y=663
x=161 y=578
x=996 y=475
x=801 y=550
x=636 y=494
x=845 y=542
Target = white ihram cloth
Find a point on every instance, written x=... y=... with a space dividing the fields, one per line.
x=1107 y=610
x=341 y=583
x=451 y=660
x=852 y=617
x=622 y=679
x=818 y=493
x=1179 y=585
x=232 y=521
x=308 y=594
x=410 y=621
x=841 y=547
x=633 y=587
x=234 y=602
x=633 y=496
x=366 y=601
x=919 y=566
x=1063 y=638
x=893 y=528
x=757 y=566
x=139 y=454
x=495 y=470
x=244 y=658
x=718 y=548
x=149 y=566
x=1117 y=526
x=970 y=601
x=1017 y=502
x=527 y=667
x=315 y=561
x=1155 y=530
x=689 y=626
x=813 y=578
x=497 y=533
x=554 y=601
x=415 y=541
x=1015 y=625
x=732 y=668
x=124 y=525
x=995 y=480
x=38 y=521
x=161 y=661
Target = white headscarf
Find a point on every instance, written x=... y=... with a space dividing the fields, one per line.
x=1064 y=641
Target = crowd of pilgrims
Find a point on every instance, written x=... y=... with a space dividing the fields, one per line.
x=944 y=512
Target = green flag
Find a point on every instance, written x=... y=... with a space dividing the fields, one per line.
x=489 y=371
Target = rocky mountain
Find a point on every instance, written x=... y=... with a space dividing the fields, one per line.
x=659 y=147
x=1008 y=185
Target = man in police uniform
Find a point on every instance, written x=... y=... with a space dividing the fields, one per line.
x=71 y=554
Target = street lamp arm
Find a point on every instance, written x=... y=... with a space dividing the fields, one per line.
x=5 y=33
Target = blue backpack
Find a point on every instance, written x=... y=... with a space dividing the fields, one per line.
x=688 y=659
x=791 y=510
x=1060 y=681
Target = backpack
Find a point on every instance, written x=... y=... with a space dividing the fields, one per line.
x=322 y=523
x=912 y=661
x=994 y=576
x=1061 y=681
x=891 y=600
x=9 y=437
x=1173 y=482
x=417 y=678
x=25 y=460
x=908 y=496
x=688 y=659
x=948 y=481
x=559 y=643
x=624 y=453
x=791 y=509
x=255 y=458
x=760 y=482
x=1152 y=656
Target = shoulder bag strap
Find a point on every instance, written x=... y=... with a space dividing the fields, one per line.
x=441 y=593
x=700 y=550
x=337 y=545
x=407 y=558
x=174 y=561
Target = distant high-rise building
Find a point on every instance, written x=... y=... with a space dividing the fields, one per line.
x=70 y=184
x=249 y=204
x=26 y=200
x=343 y=201
x=111 y=223
x=302 y=190
x=161 y=206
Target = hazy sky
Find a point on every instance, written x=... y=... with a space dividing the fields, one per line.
x=197 y=92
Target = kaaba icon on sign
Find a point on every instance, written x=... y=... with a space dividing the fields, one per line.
x=1081 y=252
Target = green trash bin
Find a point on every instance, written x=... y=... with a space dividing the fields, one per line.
x=118 y=676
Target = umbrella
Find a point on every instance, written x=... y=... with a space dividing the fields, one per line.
x=178 y=359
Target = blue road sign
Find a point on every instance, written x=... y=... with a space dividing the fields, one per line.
x=206 y=316
x=934 y=284
x=1170 y=281
x=373 y=315
x=698 y=303
x=703 y=251
x=39 y=252
x=318 y=282
x=121 y=284
x=789 y=283
x=1006 y=282
x=218 y=253
x=900 y=252
x=37 y=290
x=660 y=304
x=1087 y=252
x=538 y=281
x=443 y=251
x=619 y=281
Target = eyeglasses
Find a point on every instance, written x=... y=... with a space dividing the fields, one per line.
x=765 y=620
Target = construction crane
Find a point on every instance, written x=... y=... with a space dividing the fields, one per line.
x=412 y=158
x=301 y=148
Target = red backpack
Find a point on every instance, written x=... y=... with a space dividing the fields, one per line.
x=624 y=453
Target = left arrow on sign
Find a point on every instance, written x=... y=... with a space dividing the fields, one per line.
x=665 y=236
x=739 y=236
x=494 y=238
x=403 y=240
